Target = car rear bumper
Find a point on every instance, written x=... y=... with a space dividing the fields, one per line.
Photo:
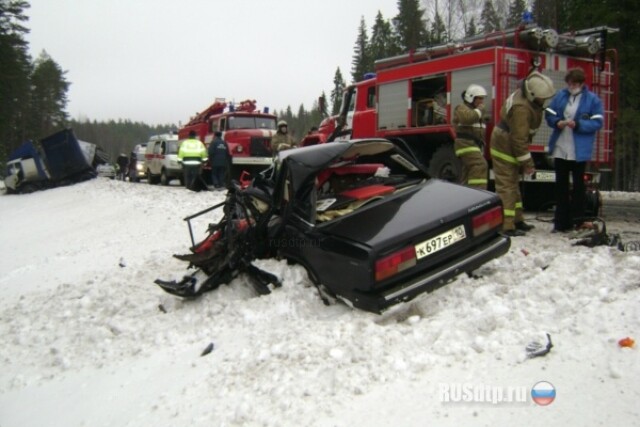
x=173 y=172
x=432 y=279
x=264 y=161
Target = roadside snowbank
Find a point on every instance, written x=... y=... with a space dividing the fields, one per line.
x=90 y=340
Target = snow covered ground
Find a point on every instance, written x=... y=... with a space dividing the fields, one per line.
x=89 y=340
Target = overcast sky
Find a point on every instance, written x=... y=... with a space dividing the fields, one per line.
x=161 y=61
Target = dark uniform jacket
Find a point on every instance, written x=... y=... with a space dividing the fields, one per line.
x=218 y=152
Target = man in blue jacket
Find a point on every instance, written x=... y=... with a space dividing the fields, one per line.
x=576 y=115
x=219 y=159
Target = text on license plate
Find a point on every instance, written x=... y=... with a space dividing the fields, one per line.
x=440 y=242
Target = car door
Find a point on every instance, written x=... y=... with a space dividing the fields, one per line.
x=157 y=158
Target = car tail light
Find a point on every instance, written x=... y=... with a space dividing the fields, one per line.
x=487 y=221
x=395 y=263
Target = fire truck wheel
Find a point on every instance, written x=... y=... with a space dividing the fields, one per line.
x=444 y=164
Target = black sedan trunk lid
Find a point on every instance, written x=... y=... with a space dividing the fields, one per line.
x=414 y=212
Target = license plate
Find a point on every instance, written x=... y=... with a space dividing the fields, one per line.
x=439 y=242
x=545 y=176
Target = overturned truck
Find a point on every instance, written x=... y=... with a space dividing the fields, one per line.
x=366 y=221
x=59 y=159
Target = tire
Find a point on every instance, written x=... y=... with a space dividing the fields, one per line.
x=445 y=165
x=27 y=188
x=152 y=179
x=164 y=179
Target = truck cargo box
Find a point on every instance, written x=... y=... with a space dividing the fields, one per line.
x=64 y=157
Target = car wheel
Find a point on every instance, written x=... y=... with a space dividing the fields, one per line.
x=445 y=165
x=164 y=179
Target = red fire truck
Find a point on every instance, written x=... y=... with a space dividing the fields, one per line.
x=246 y=130
x=411 y=98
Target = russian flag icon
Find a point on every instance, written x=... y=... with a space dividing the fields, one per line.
x=543 y=393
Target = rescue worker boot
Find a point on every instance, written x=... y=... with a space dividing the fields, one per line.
x=509 y=228
x=523 y=226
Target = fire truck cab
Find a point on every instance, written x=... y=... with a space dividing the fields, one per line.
x=246 y=130
x=411 y=98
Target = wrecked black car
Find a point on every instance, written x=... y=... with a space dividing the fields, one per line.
x=362 y=216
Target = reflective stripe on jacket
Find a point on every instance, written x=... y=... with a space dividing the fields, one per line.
x=522 y=119
x=192 y=148
x=468 y=122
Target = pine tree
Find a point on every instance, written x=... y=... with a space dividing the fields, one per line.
x=471 y=30
x=516 y=10
x=382 y=43
x=489 y=19
x=557 y=15
x=336 y=93
x=361 y=63
x=318 y=111
x=410 y=25
x=48 y=96
x=438 y=30
x=15 y=66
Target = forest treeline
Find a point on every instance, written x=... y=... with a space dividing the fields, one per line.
x=33 y=92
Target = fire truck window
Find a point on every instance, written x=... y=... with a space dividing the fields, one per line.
x=429 y=101
x=242 y=123
x=352 y=102
x=213 y=126
x=266 y=123
x=371 y=97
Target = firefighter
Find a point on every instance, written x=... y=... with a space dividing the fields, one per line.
x=520 y=117
x=282 y=140
x=192 y=154
x=468 y=119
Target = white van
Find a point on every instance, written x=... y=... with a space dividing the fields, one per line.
x=161 y=159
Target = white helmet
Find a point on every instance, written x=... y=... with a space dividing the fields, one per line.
x=539 y=86
x=472 y=92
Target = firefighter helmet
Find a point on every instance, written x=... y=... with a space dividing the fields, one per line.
x=538 y=86
x=282 y=123
x=472 y=92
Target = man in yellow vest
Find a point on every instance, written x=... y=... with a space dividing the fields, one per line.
x=520 y=118
x=192 y=154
